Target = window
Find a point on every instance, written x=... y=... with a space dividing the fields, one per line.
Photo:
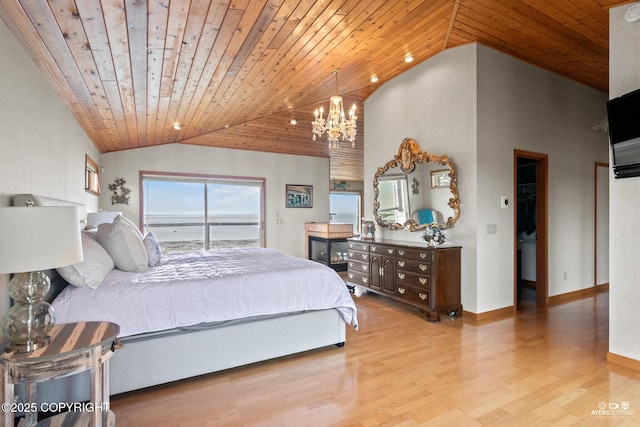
x=91 y=176
x=203 y=212
x=345 y=208
x=394 y=196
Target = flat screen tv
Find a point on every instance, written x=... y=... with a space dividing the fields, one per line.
x=624 y=132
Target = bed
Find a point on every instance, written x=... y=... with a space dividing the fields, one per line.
x=204 y=311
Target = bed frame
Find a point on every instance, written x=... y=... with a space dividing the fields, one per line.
x=149 y=361
x=155 y=359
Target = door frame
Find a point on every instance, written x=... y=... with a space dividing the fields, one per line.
x=542 y=226
x=595 y=219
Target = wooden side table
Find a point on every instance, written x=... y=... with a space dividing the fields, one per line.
x=74 y=348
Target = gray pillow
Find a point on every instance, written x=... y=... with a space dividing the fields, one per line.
x=124 y=243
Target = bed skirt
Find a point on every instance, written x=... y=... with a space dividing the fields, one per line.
x=160 y=359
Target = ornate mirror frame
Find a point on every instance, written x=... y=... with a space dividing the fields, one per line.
x=409 y=153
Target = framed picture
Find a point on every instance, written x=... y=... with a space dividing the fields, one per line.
x=299 y=196
x=440 y=179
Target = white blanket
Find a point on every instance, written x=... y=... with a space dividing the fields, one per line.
x=195 y=287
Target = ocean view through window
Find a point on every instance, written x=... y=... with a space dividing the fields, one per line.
x=345 y=208
x=203 y=212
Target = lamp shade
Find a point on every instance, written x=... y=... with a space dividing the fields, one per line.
x=96 y=218
x=39 y=238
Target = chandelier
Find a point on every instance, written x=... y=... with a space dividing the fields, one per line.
x=336 y=124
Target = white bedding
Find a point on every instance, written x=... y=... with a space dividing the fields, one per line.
x=195 y=287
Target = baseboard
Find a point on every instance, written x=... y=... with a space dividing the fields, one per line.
x=625 y=362
x=489 y=315
x=579 y=294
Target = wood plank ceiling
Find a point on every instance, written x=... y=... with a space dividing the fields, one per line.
x=233 y=73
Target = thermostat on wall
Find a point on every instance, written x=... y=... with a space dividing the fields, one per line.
x=633 y=13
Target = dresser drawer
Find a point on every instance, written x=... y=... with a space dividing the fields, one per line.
x=361 y=267
x=359 y=246
x=358 y=256
x=382 y=250
x=415 y=295
x=419 y=254
x=413 y=279
x=412 y=265
x=358 y=278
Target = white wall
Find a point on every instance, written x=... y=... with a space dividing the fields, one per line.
x=278 y=169
x=42 y=148
x=477 y=105
x=524 y=107
x=435 y=104
x=624 y=297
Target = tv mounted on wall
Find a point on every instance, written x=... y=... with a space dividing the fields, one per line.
x=624 y=132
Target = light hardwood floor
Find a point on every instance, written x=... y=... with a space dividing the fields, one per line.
x=536 y=368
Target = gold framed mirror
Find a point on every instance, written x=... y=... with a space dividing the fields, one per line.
x=416 y=189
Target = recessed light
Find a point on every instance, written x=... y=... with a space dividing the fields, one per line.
x=176 y=126
x=293 y=122
x=226 y=126
x=408 y=58
x=374 y=78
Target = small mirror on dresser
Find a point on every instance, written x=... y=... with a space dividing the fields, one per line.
x=415 y=189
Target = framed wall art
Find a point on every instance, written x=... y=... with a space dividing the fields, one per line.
x=299 y=196
x=440 y=179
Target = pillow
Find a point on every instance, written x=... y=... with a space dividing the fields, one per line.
x=124 y=243
x=93 y=269
x=153 y=249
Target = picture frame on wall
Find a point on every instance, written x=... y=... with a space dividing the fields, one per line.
x=299 y=196
x=440 y=179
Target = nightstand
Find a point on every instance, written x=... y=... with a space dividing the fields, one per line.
x=74 y=348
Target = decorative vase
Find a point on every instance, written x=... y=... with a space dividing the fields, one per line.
x=434 y=236
x=368 y=230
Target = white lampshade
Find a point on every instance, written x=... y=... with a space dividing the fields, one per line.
x=96 y=218
x=39 y=238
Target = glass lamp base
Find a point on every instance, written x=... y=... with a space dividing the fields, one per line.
x=28 y=346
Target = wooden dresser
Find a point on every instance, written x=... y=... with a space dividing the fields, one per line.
x=409 y=272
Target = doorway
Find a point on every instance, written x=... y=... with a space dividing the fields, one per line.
x=530 y=228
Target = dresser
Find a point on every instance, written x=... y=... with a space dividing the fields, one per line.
x=410 y=272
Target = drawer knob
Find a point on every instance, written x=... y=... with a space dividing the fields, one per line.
x=424 y=267
x=401 y=291
x=401 y=276
x=364 y=256
x=350 y=264
x=423 y=280
x=423 y=297
x=389 y=251
x=365 y=268
x=423 y=255
x=374 y=248
x=350 y=254
x=350 y=275
x=400 y=252
x=401 y=263
x=365 y=280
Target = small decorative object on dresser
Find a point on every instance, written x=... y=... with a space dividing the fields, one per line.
x=426 y=278
x=434 y=236
x=368 y=230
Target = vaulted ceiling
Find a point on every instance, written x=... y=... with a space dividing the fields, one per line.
x=233 y=73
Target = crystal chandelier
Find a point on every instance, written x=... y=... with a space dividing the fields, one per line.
x=336 y=124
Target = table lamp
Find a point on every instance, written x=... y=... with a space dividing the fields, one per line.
x=34 y=239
